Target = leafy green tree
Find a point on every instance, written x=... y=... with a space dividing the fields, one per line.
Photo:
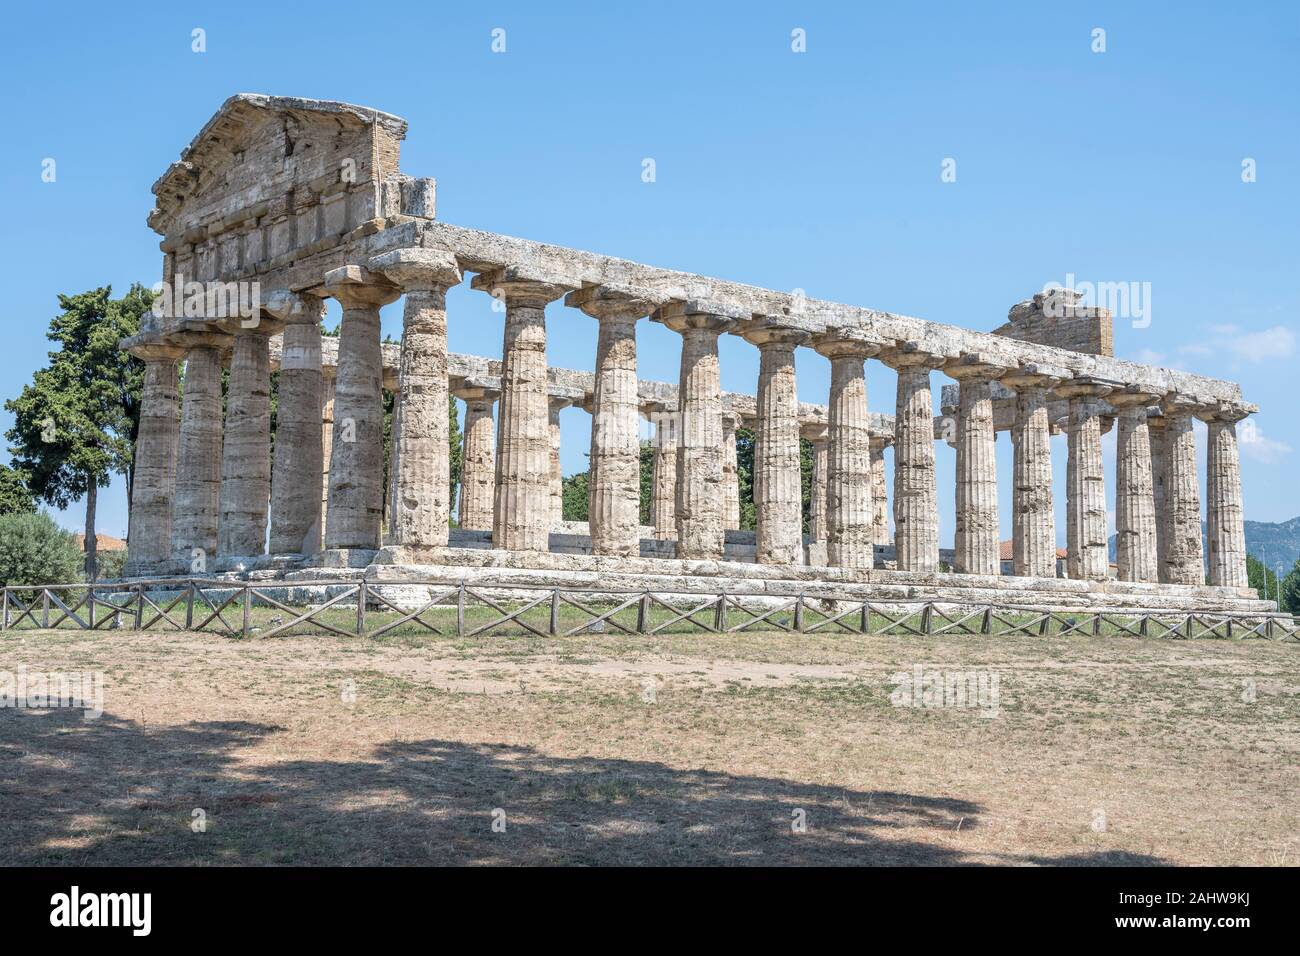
x=1290 y=601
x=745 y=477
x=1262 y=579
x=35 y=550
x=75 y=425
x=573 y=496
x=15 y=498
x=647 y=479
x=456 y=448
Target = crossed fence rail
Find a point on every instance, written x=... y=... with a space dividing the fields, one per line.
x=455 y=608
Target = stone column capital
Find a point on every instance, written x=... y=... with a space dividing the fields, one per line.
x=881 y=442
x=846 y=343
x=1081 y=387
x=356 y=287
x=815 y=432
x=1180 y=404
x=903 y=355
x=294 y=307
x=476 y=393
x=682 y=315
x=974 y=367
x=158 y=352
x=418 y=270
x=522 y=286
x=614 y=301
x=1130 y=396
x=767 y=334
x=1225 y=411
x=1034 y=375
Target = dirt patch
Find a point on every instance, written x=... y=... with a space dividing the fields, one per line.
x=748 y=748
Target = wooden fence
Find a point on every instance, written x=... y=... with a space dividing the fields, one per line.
x=368 y=609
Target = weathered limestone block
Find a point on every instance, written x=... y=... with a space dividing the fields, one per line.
x=421 y=502
x=615 y=509
x=522 y=505
x=246 y=452
x=663 y=479
x=356 y=495
x=1135 y=507
x=1033 y=515
x=1225 y=527
x=880 y=492
x=730 y=472
x=197 y=509
x=851 y=516
x=1184 y=563
x=157 y=440
x=299 y=450
x=478 y=465
x=699 y=505
x=778 y=488
x=1086 y=543
x=978 y=529
x=916 y=506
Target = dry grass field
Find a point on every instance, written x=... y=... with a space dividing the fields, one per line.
x=680 y=749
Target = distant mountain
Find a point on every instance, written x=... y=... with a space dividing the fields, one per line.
x=1276 y=542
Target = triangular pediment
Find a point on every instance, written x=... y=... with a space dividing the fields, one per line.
x=277 y=155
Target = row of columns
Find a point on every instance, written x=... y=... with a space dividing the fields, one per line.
x=695 y=498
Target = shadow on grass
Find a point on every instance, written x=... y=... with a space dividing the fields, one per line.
x=113 y=792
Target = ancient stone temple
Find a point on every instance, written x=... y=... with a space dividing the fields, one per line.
x=305 y=200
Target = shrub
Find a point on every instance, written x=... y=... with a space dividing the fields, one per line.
x=111 y=564
x=35 y=550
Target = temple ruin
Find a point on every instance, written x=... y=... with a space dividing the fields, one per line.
x=306 y=198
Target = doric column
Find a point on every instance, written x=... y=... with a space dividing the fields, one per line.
x=916 y=507
x=730 y=471
x=817 y=530
x=700 y=455
x=555 y=405
x=663 y=483
x=356 y=495
x=850 y=511
x=1159 y=462
x=299 y=451
x=1033 y=514
x=421 y=506
x=197 y=509
x=1184 y=563
x=246 y=452
x=615 y=510
x=879 y=491
x=327 y=439
x=1085 y=516
x=976 y=541
x=522 y=507
x=478 y=465
x=1225 y=526
x=777 y=481
x=394 y=457
x=153 y=491
x=1135 y=507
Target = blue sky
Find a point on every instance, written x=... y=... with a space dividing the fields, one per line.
x=817 y=170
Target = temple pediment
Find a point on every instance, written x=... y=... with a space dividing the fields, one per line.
x=273 y=176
